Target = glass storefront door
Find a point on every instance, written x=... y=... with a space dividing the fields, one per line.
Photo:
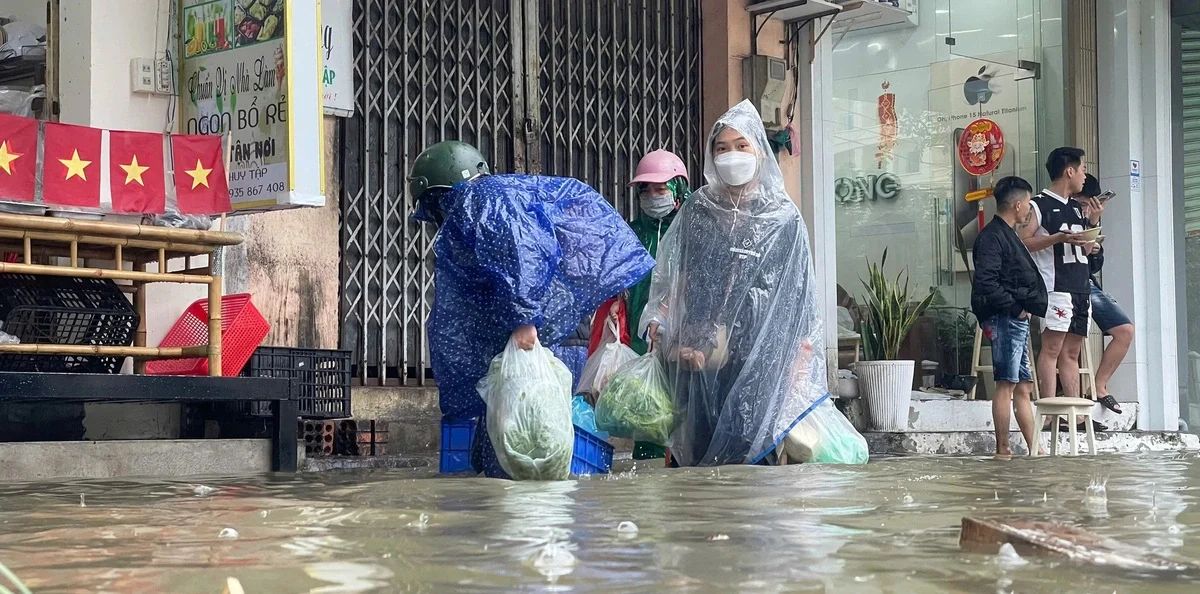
x=903 y=100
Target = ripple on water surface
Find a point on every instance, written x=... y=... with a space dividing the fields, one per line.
x=889 y=526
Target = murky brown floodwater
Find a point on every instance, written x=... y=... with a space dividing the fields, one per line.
x=891 y=526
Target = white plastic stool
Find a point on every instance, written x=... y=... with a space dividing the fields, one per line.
x=1057 y=407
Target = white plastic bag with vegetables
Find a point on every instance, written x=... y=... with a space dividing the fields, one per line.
x=825 y=436
x=603 y=363
x=822 y=434
x=528 y=398
x=637 y=403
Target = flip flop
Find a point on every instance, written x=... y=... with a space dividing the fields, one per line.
x=1110 y=403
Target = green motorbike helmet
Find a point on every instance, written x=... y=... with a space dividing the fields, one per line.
x=443 y=165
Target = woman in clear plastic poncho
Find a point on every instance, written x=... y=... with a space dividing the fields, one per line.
x=733 y=305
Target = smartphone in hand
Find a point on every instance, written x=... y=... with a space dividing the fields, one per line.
x=1106 y=196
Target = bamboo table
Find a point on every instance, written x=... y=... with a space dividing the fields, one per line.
x=49 y=238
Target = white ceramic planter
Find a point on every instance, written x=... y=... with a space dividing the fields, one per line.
x=887 y=388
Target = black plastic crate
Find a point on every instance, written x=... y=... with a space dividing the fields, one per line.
x=65 y=311
x=323 y=376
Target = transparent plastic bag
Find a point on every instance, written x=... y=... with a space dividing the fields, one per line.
x=734 y=294
x=637 y=402
x=603 y=363
x=6 y=338
x=825 y=436
x=14 y=101
x=182 y=221
x=584 y=416
x=528 y=398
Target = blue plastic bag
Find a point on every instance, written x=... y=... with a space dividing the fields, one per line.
x=584 y=417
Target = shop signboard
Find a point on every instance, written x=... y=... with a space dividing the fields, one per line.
x=253 y=69
x=863 y=188
x=337 y=50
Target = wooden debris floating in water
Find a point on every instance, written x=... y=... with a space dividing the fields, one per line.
x=1075 y=544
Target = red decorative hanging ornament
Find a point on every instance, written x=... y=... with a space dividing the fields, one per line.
x=981 y=147
x=889 y=126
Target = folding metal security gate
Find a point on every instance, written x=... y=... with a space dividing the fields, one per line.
x=578 y=88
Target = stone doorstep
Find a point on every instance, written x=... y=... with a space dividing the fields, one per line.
x=976 y=415
x=413 y=419
x=958 y=443
x=59 y=460
x=983 y=443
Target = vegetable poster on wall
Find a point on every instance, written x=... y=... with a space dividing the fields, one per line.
x=252 y=68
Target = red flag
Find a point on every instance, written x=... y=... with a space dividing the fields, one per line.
x=71 y=165
x=18 y=157
x=136 y=176
x=200 y=183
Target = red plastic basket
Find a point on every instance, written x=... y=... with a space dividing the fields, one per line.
x=243 y=328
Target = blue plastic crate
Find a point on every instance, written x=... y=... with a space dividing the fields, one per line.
x=456 y=446
x=592 y=454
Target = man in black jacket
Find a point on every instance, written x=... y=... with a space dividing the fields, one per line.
x=1008 y=290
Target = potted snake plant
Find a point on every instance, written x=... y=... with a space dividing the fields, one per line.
x=891 y=312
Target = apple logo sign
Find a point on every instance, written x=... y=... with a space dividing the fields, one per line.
x=978 y=89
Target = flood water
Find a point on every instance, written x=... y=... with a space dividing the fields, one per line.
x=890 y=526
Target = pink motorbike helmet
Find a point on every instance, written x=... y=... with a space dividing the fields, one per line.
x=659 y=167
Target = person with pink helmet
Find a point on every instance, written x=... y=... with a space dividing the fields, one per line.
x=661 y=181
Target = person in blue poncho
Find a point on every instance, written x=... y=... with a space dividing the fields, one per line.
x=521 y=256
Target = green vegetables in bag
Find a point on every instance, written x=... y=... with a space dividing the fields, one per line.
x=528 y=397
x=636 y=402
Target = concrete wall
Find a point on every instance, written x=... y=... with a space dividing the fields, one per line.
x=97 y=41
x=726 y=31
x=290 y=260
x=1134 y=49
x=38 y=461
x=291 y=263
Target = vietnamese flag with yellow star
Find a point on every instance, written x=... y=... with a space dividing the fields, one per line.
x=136 y=177
x=71 y=165
x=200 y=184
x=18 y=158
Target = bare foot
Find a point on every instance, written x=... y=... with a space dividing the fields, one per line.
x=1003 y=452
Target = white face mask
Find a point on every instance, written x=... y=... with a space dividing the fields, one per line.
x=736 y=168
x=657 y=206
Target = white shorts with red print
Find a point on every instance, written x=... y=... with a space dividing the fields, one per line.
x=1068 y=312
